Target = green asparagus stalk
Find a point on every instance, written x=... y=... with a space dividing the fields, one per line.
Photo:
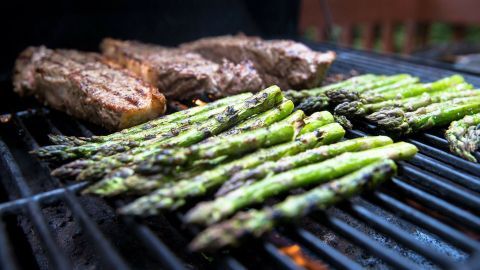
x=150 y=136
x=167 y=119
x=124 y=180
x=313 y=104
x=94 y=169
x=249 y=176
x=233 y=145
x=258 y=222
x=416 y=89
x=459 y=139
x=316 y=120
x=352 y=93
x=359 y=108
x=261 y=120
x=206 y=182
x=314 y=174
x=117 y=182
x=472 y=138
x=396 y=120
x=298 y=96
x=391 y=87
x=140 y=184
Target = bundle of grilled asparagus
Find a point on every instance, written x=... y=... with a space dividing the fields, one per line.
x=402 y=105
x=242 y=150
x=464 y=136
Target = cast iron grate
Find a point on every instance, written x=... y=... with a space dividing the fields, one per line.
x=427 y=217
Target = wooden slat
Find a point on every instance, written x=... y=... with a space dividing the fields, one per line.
x=346 y=36
x=368 y=36
x=459 y=32
x=410 y=37
x=387 y=37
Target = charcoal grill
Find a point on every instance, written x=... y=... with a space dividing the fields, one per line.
x=427 y=217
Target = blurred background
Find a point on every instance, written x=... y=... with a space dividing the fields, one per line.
x=435 y=30
x=443 y=30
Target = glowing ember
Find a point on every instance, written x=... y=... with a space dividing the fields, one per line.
x=199 y=102
x=296 y=254
x=4 y=118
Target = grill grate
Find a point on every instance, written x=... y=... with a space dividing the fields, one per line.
x=428 y=216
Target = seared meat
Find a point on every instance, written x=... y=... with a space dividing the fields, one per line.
x=180 y=74
x=86 y=86
x=283 y=62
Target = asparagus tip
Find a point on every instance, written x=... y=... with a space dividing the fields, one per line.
x=342 y=95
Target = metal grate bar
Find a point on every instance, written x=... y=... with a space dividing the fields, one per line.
x=109 y=255
x=6 y=257
x=436 y=166
x=441 y=186
x=328 y=253
x=441 y=229
x=448 y=158
x=160 y=250
x=399 y=235
x=156 y=247
x=55 y=255
x=281 y=259
x=365 y=241
x=231 y=263
x=376 y=64
x=47 y=196
x=457 y=214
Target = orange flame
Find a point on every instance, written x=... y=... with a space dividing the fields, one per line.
x=296 y=254
x=199 y=102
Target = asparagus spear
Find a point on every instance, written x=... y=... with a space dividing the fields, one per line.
x=236 y=144
x=416 y=89
x=141 y=184
x=316 y=120
x=473 y=138
x=206 y=182
x=264 y=119
x=149 y=136
x=214 y=211
x=249 y=176
x=396 y=120
x=352 y=93
x=167 y=119
x=313 y=104
x=391 y=87
x=258 y=222
x=125 y=179
x=232 y=115
x=459 y=138
x=359 y=108
x=299 y=96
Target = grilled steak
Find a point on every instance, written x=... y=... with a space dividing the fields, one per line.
x=183 y=75
x=86 y=86
x=283 y=62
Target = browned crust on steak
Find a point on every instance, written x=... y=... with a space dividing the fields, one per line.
x=286 y=63
x=86 y=86
x=180 y=74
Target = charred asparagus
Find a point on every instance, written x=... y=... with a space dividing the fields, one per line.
x=258 y=222
x=463 y=136
x=123 y=182
x=167 y=119
x=90 y=169
x=216 y=210
x=249 y=176
x=438 y=114
x=176 y=196
x=359 y=108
